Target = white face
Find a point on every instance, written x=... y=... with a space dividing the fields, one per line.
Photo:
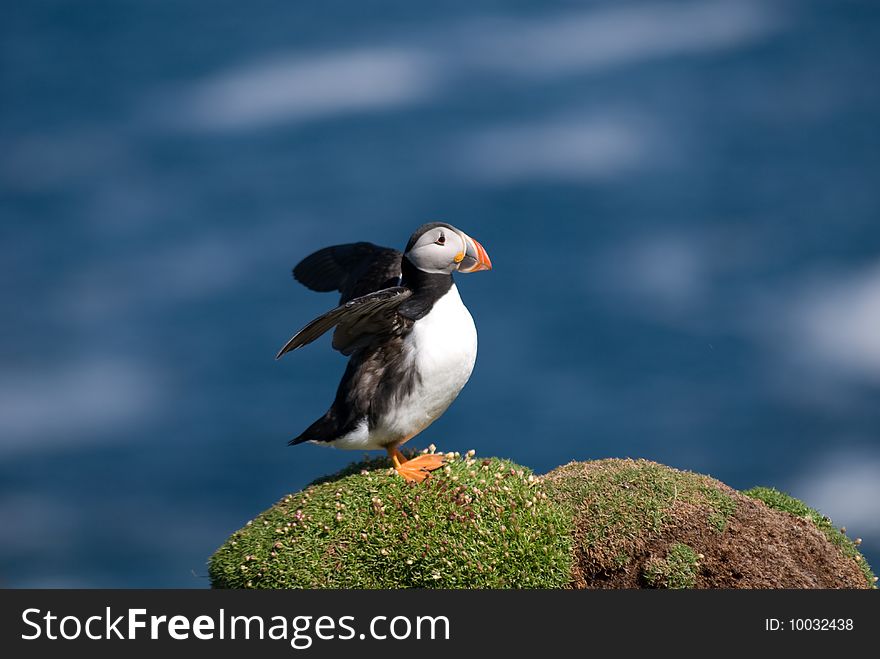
x=439 y=250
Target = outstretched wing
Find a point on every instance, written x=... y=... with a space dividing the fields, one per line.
x=358 y=322
x=354 y=269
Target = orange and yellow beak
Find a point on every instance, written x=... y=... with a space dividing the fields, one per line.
x=474 y=257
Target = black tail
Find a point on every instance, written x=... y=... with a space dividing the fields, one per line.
x=324 y=429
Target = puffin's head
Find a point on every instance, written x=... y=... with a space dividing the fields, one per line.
x=440 y=248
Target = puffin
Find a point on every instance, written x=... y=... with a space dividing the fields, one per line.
x=410 y=340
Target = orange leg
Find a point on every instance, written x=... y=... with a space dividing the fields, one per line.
x=417 y=469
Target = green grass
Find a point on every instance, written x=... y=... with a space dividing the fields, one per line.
x=620 y=504
x=474 y=524
x=489 y=523
x=781 y=501
x=678 y=570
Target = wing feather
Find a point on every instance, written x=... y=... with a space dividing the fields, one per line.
x=358 y=322
x=353 y=269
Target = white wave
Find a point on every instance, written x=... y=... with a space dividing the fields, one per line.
x=837 y=323
x=299 y=87
x=845 y=486
x=302 y=87
x=604 y=38
x=556 y=148
x=71 y=404
x=177 y=272
x=661 y=274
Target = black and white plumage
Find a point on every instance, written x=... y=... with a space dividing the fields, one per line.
x=412 y=343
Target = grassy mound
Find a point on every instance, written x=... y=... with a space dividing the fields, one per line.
x=786 y=503
x=622 y=507
x=639 y=524
x=473 y=524
x=678 y=569
x=492 y=524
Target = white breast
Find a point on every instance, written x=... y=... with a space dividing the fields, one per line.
x=442 y=347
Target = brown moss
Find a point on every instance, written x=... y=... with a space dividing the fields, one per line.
x=630 y=515
x=491 y=524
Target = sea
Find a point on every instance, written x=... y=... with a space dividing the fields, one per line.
x=681 y=201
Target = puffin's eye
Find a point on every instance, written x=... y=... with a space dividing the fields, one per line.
x=441 y=240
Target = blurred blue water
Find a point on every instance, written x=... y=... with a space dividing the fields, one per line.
x=680 y=200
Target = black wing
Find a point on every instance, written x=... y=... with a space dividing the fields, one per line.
x=354 y=269
x=358 y=322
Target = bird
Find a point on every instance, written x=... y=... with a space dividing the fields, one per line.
x=411 y=341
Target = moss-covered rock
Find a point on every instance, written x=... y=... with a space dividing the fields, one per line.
x=639 y=524
x=623 y=507
x=473 y=524
x=489 y=523
x=786 y=503
x=678 y=569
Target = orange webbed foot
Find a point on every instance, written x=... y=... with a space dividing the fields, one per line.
x=417 y=469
